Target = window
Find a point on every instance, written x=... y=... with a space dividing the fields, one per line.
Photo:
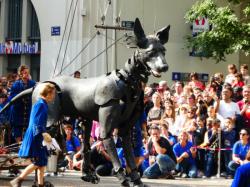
x=15 y=19
x=34 y=25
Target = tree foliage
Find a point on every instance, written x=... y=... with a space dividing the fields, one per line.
x=228 y=33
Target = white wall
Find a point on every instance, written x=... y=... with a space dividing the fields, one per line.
x=153 y=15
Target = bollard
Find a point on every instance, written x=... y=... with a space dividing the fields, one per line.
x=219 y=154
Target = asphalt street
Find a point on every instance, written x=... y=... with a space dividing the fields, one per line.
x=72 y=179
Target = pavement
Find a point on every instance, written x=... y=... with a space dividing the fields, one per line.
x=72 y=179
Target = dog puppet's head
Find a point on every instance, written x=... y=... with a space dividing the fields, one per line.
x=151 y=50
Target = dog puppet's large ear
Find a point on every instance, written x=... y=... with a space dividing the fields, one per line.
x=139 y=34
x=163 y=34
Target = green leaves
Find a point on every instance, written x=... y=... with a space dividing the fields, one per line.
x=228 y=34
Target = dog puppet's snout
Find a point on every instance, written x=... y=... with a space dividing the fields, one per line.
x=164 y=67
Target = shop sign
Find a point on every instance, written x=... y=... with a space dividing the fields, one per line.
x=200 y=25
x=11 y=47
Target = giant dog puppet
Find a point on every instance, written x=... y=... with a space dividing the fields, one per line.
x=115 y=100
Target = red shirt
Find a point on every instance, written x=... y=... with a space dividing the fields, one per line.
x=246 y=119
x=239 y=84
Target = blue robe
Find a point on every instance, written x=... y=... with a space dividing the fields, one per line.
x=32 y=143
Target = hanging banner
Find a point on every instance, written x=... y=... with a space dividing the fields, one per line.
x=11 y=47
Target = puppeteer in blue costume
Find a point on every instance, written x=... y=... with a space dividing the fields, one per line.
x=20 y=111
x=32 y=143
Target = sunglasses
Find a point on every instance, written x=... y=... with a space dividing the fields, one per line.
x=243 y=134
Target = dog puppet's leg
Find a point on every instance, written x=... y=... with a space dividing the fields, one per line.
x=109 y=116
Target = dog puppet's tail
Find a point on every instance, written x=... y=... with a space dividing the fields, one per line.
x=24 y=93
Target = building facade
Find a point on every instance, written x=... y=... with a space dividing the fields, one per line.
x=61 y=36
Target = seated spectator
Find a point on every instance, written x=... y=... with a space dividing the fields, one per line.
x=161 y=157
x=100 y=159
x=185 y=155
x=240 y=150
x=73 y=145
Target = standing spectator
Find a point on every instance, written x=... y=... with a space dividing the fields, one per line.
x=77 y=74
x=244 y=105
x=239 y=81
x=32 y=144
x=181 y=119
x=162 y=88
x=229 y=137
x=185 y=155
x=230 y=78
x=240 y=150
x=245 y=74
x=194 y=81
x=191 y=100
x=4 y=119
x=178 y=87
x=198 y=138
x=213 y=143
x=226 y=107
x=218 y=79
x=161 y=157
x=169 y=117
x=155 y=113
x=20 y=111
x=166 y=134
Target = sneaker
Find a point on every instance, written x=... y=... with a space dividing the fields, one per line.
x=200 y=174
x=11 y=175
x=56 y=174
x=166 y=176
x=184 y=175
x=204 y=177
x=213 y=177
x=229 y=177
x=47 y=174
x=223 y=174
x=179 y=174
x=17 y=182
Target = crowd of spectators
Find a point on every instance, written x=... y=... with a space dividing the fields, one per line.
x=185 y=128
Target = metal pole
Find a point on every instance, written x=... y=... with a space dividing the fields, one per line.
x=219 y=154
x=106 y=45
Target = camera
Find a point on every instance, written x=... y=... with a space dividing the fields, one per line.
x=201 y=102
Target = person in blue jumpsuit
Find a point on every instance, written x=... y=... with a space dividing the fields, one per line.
x=20 y=111
x=32 y=146
x=242 y=176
